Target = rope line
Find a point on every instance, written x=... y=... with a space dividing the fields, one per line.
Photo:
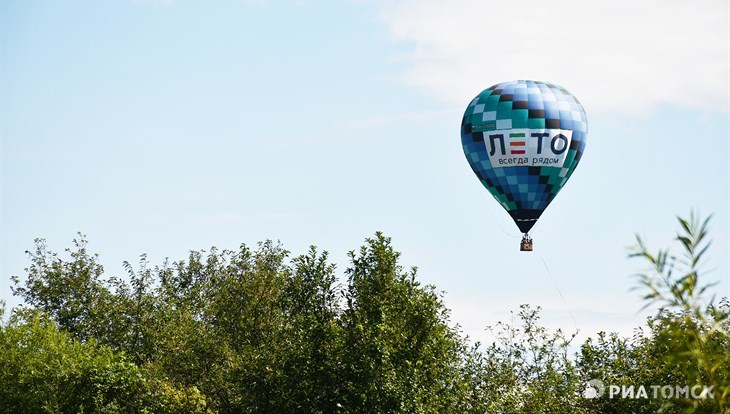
x=494 y=219
x=552 y=280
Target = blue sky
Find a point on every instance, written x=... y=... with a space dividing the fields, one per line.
x=163 y=126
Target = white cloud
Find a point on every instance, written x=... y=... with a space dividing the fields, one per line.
x=588 y=314
x=381 y=120
x=618 y=55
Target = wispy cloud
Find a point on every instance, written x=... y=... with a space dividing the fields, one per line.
x=228 y=218
x=249 y=2
x=380 y=120
x=588 y=314
x=162 y=2
x=615 y=55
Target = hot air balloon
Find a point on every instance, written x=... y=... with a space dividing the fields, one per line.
x=523 y=140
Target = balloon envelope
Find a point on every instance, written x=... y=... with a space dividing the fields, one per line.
x=523 y=140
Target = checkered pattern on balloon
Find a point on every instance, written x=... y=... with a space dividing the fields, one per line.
x=523 y=140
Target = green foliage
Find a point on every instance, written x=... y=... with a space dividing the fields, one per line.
x=71 y=291
x=695 y=332
x=45 y=370
x=687 y=342
x=527 y=369
x=254 y=330
x=399 y=353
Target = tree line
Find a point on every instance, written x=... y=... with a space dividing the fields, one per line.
x=257 y=330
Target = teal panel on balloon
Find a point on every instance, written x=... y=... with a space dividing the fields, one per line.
x=523 y=140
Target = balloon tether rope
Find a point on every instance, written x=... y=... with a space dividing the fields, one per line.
x=494 y=219
x=552 y=279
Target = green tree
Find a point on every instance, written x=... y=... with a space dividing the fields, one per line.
x=526 y=370
x=72 y=292
x=687 y=341
x=695 y=330
x=313 y=355
x=254 y=331
x=400 y=353
x=45 y=370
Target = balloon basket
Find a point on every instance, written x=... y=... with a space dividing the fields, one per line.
x=526 y=244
